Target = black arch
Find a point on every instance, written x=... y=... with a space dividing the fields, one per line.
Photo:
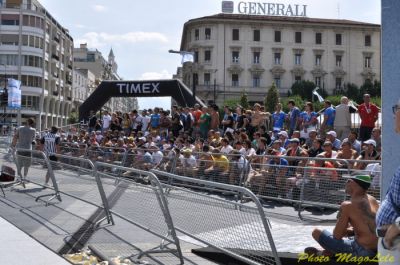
x=174 y=88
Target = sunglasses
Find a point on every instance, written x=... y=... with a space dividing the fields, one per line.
x=395 y=108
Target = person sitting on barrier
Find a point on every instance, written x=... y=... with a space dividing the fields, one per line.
x=354 y=231
x=219 y=170
x=347 y=153
x=368 y=153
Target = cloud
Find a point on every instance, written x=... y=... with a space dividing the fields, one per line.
x=164 y=74
x=94 y=39
x=99 y=8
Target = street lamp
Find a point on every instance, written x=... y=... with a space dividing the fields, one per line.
x=183 y=53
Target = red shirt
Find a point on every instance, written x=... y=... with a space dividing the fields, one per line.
x=368 y=114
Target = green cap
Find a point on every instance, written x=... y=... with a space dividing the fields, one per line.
x=363 y=180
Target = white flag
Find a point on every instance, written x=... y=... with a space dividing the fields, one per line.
x=187 y=57
x=320 y=98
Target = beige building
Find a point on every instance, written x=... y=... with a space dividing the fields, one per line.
x=102 y=69
x=37 y=50
x=234 y=53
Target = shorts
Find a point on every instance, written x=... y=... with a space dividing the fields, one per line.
x=24 y=158
x=347 y=245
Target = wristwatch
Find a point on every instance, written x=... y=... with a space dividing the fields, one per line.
x=397 y=222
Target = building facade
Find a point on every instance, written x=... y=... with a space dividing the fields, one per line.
x=236 y=53
x=102 y=69
x=83 y=85
x=37 y=50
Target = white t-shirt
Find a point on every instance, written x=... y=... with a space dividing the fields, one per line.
x=227 y=149
x=136 y=121
x=251 y=152
x=190 y=161
x=145 y=122
x=157 y=157
x=106 y=121
x=242 y=151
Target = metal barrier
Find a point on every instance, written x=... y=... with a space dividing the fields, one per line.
x=142 y=205
x=237 y=230
x=24 y=158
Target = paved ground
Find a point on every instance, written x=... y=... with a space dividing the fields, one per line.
x=67 y=226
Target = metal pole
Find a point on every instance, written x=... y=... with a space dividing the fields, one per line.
x=194 y=88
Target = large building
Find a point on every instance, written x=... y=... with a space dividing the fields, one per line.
x=37 y=50
x=93 y=60
x=235 y=53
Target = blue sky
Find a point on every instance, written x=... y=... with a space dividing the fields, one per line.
x=142 y=32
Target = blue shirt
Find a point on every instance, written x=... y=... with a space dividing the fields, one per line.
x=294 y=114
x=282 y=162
x=330 y=113
x=307 y=117
x=155 y=120
x=279 y=119
x=387 y=213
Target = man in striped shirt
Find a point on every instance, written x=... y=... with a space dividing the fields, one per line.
x=50 y=142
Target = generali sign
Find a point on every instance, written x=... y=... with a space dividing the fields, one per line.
x=267 y=9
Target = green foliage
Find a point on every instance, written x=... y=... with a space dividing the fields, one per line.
x=352 y=92
x=244 y=101
x=271 y=99
x=377 y=101
x=297 y=99
x=303 y=89
x=232 y=102
x=73 y=117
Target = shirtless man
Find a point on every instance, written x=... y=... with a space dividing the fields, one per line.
x=354 y=231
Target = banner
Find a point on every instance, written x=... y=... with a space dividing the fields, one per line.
x=14 y=93
x=320 y=98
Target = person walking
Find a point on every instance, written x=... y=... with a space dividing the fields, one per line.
x=50 y=142
x=23 y=139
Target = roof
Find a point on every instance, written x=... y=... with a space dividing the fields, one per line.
x=242 y=17
x=276 y=19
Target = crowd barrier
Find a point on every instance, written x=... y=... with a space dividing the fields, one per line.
x=142 y=205
x=238 y=230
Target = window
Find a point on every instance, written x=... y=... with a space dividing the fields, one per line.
x=277 y=81
x=256 y=35
x=317 y=81
x=297 y=59
x=318 y=58
x=9 y=59
x=367 y=40
x=297 y=37
x=277 y=58
x=338 y=39
x=256 y=80
x=9 y=39
x=207 y=56
x=339 y=60
x=10 y=20
x=318 y=38
x=196 y=57
x=256 y=57
x=338 y=83
x=297 y=78
x=367 y=62
x=235 y=80
x=235 y=57
x=235 y=34
x=30 y=102
x=207 y=33
x=277 y=36
x=196 y=34
x=207 y=78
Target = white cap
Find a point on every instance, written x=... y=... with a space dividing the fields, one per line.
x=370 y=141
x=333 y=133
x=284 y=133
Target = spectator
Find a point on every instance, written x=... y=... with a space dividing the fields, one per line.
x=226 y=148
x=336 y=143
x=126 y=124
x=377 y=137
x=196 y=114
x=352 y=138
x=165 y=122
x=92 y=121
x=204 y=121
x=219 y=170
x=277 y=145
x=278 y=118
x=354 y=231
x=283 y=136
x=316 y=148
x=239 y=122
x=214 y=114
x=51 y=146
x=328 y=150
x=258 y=118
x=346 y=153
x=369 y=115
x=189 y=121
x=228 y=120
x=240 y=148
x=296 y=151
x=342 y=123
x=312 y=135
x=106 y=120
x=308 y=120
x=368 y=153
x=293 y=116
x=329 y=118
x=155 y=121
x=145 y=121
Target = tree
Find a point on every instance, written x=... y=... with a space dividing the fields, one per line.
x=303 y=89
x=271 y=99
x=352 y=92
x=73 y=118
x=244 y=101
